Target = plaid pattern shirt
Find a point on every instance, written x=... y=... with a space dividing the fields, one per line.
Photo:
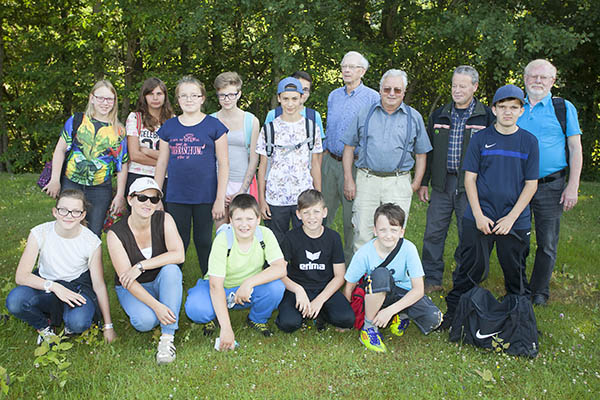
x=457 y=130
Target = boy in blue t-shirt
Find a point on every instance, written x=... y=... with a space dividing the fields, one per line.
x=397 y=287
x=501 y=171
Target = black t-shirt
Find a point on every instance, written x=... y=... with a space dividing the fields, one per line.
x=310 y=261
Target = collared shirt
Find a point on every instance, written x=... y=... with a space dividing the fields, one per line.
x=341 y=110
x=455 y=137
x=389 y=146
x=542 y=122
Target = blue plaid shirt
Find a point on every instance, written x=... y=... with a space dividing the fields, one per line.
x=455 y=139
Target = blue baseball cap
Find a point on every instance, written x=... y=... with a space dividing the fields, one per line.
x=289 y=81
x=509 y=92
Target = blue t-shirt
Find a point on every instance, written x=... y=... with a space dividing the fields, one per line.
x=404 y=267
x=192 y=166
x=502 y=163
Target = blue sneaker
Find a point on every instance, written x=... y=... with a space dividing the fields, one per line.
x=371 y=338
x=398 y=326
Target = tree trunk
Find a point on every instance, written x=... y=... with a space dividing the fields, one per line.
x=5 y=165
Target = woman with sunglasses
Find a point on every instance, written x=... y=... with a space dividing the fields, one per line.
x=68 y=284
x=241 y=139
x=93 y=146
x=145 y=249
x=152 y=110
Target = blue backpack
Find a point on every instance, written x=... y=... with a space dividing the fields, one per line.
x=228 y=231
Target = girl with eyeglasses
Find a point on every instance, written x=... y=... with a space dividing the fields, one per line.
x=145 y=249
x=152 y=110
x=191 y=146
x=92 y=147
x=68 y=284
x=241 y=139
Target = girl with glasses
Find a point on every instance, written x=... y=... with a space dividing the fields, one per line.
x=191 y=146
x=91 y=148
x=68 y=284
x=145 y=249
x=152 y=110
x=241 y=139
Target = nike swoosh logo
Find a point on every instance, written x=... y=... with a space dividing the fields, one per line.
x=487 y=146
x=478 y=335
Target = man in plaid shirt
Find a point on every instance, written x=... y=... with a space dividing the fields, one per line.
x=450 y=128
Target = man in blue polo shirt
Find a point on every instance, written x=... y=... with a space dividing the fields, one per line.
x=342 y=106
x=552 y=197
x=387 y=134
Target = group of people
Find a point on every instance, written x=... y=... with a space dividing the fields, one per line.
x=176 y=174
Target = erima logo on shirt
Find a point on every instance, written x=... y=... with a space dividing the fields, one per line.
x=312 y=265
x=312 y=256
x=478 y=334
x=487 y=146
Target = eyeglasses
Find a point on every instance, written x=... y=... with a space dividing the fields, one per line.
x=351 y=66
x=193 y=97
x=542 y=78
x=388 y=90
x=63 y=212
x=228 y=96
x=108 y=100
x=142 y=198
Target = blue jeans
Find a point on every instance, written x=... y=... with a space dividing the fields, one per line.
x=167 y=288
x=40 y=309
x=546 y=210
x=99 y=197
x=264 y=300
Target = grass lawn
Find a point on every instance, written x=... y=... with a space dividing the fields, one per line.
x=310 y=364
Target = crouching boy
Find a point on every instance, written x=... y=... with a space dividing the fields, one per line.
x=235 y=265
x=394 y=288
x=315 y=270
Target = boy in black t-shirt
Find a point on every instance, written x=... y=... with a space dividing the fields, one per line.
x=315 y=270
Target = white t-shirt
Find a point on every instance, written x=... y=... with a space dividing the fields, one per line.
x=147 y=139
x=61 y=258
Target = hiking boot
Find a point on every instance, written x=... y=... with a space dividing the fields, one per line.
x=165 y=352
x=209 y=328
x=262 y=328
x=371 y=338
x=47 y=335
x=399 y=325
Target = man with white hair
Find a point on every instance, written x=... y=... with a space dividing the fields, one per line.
x=387 y=134
x=554 y=122
x=342 y=106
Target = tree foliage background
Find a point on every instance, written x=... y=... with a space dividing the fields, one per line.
x=52 y=52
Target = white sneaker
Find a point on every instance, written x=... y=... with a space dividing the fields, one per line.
x=46 y=335
x=165 y=352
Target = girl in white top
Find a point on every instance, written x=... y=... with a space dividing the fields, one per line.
x=152 y=110
x=69 y=283
x=243 y=133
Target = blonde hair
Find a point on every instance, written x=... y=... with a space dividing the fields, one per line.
x=113 y=116
x=190 y=79
x=228 y=78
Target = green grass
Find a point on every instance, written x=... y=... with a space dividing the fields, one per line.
x=328 y=364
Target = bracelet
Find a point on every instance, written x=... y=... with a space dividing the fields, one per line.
x=107 y=326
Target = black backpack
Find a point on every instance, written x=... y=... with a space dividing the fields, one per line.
x=481 y=320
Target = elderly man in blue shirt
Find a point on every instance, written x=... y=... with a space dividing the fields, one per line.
x=342 y=106
x=387 y=135
x=554 y=193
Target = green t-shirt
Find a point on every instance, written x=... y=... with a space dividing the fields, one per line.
x=241 y=265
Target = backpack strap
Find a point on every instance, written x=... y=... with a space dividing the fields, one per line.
x=228 y=229
x=269 y=138
x=560 y=109
x=390 y=257
x=278 y=111
x=310 y=132
x=311 y=114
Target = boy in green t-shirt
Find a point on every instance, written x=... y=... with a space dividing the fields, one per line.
x=236 y=278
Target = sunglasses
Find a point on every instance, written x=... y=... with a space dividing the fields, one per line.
x=388 y=90
x=142 y=198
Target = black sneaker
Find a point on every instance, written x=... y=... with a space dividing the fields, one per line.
x=209 y=328
x=262 y=328
x=320 y=323
x=446 y=323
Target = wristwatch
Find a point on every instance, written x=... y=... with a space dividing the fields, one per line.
x=139 y=266
x=47 y=285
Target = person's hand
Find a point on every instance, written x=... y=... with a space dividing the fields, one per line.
x=130 y=276
x=117 y=205
x=242 y=295
x=484 y=224
x=218 y=209
x=52 y=189
x=568 y=198
x=265 y=211
x=504 y=225
x=415 y=187
x=382 y=318
x=67 y=296
x=423 y=193
x=227 y=339
x=109 y=335
x=164 y=314
x=302 y=303
x=228 y=200
x=315 y=308
x=349 y=189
